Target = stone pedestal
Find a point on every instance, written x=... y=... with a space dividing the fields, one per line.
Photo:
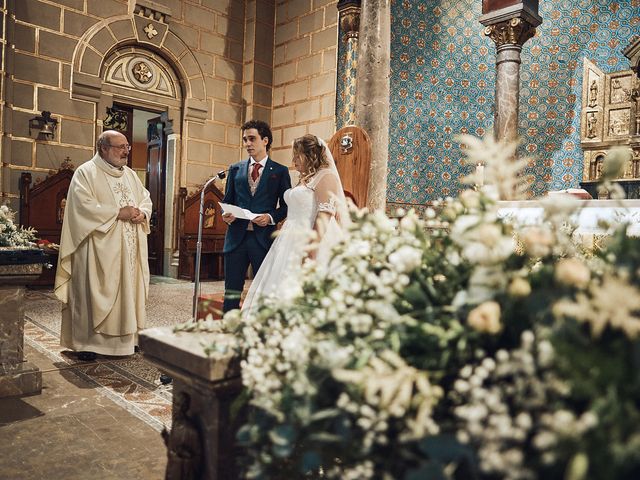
x=204 y=388
x=17 y=377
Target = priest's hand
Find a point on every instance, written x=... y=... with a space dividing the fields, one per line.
x=139 y=218
x=127 y=213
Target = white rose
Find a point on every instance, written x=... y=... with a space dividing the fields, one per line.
x=572 y=272
x=485 y=317
x=406 y=258
x=537 y=241
x=470 y=199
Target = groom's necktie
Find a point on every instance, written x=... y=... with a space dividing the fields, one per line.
x=255 y=173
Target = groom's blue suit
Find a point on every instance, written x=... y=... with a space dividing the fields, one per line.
x=243 y=247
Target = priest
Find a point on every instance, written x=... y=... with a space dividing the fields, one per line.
x=103 y=272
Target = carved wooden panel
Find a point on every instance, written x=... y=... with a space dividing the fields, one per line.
x=351 y=149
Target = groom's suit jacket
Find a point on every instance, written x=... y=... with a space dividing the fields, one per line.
x=268 y=198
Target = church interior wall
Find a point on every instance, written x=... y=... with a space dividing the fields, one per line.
x=443 y=81
x=304 y=72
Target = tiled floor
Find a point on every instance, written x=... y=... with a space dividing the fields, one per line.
x=99 y=420
x=73 y=431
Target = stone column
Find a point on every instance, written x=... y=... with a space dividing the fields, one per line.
x=509 y=28
x=372 y=92
x=17 y=377
x=349 y=11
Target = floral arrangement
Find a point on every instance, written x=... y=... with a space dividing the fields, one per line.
x=12 y=235
x=459 y=346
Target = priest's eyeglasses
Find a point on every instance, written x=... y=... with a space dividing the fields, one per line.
x=125 y=146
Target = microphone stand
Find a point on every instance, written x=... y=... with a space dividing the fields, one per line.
x=220 y=175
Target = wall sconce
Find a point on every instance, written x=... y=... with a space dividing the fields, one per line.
x=44 y=125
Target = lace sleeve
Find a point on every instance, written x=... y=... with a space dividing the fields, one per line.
x=326 y=188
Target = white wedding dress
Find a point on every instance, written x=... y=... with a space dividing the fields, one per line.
x=282 y=266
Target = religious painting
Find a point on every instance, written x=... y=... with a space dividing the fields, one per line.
x=620 y=89
x=209 y=219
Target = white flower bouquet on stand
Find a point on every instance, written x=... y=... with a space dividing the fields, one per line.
x=456 y=347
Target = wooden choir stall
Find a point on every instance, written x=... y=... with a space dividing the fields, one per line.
x=213 y=231
x=42 y=207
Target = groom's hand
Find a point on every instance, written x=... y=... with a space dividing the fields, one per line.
x=262 y=220
x=228 y=218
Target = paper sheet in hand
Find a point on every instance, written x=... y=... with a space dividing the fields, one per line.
x=241 y=213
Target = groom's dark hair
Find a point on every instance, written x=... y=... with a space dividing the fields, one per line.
x=263 y=128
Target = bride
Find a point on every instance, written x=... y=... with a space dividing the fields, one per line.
x=317 y=204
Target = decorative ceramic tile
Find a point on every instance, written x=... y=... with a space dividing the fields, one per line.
x=443 y=81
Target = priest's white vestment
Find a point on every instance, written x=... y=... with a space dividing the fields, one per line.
x=103 y=271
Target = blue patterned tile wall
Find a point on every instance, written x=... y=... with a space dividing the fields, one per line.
x=443 y=82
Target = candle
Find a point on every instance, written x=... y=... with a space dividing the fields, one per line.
x=479 y=174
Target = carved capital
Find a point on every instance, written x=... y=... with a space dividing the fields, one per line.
x=350 y=20
x=515 y=31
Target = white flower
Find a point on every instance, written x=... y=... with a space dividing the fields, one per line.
x=485 y=317
x=572 y=272
x=537 y=241
x=406 y=258
x=519 y=287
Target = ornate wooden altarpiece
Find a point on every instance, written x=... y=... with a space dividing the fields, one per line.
x=42 y=207
x=611 y=117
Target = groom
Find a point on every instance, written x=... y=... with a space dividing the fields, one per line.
x=257 y=184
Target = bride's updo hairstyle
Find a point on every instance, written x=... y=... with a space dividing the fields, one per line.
x=312 y=153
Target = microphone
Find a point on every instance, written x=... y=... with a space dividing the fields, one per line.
x=220 y=175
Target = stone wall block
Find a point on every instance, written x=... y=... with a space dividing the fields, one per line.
x=198 y=151
x=21 y=153
x=330 y=15
x=77 y=24
x=278 y=96
x=282 y=116
x=216 y=87
x=264 y=47
x=198 y=174
x=234 y=93
x=279 y=56
x=24 y=38
x=286 y=32
x=23 y=95
x=284 y=73
x=37 y=70
x=261 y=113
x=206 y=62
x=122 y=30
x=196 y=110
x=102 y=40
x=296 y=91
x=263 y=74
x=230 y=28
x=291 y=133
x=228 y=70
x=212 y=43
x=77 y=4
x=188 y=35
x=324 y=39
x=107 y=8
x=309 y=66
x=330 y=60
x=322 y=3
x=225 y=155
x=262 y=95
x=281 y=12
x=298 y=48
x=51 y=156
x=78 y=133
x=223 y=112
x=307 y=111
x=298 y=8
x=91 y=62
x=200 y=17
x=323 y=129
x=221 y=6
x=20 y=123
x=59 y=103
x=312 y=22
x=234 y=51
x=208 y=131
x=38 y=13
x=190 y=66
x=266 y=12
x=197 y=88
x=57 y=46
x=324 y=84
x=65 y=81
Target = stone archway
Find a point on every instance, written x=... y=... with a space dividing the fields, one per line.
x=143 y=40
